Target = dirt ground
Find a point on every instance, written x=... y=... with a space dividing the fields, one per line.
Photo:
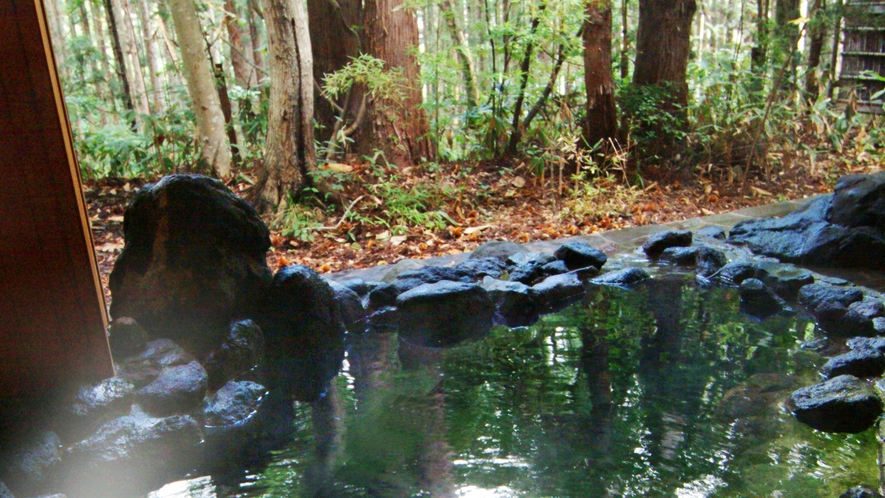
x=492 y=204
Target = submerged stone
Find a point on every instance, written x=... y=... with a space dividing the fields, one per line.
x=709 y=261
x=444 y=313
x=33 y=461
x=814 y=295
x=861 y=492
x=657 y=242
x=682 y=256
x=233 y=404
x=840 y=404
x=580 y=255
x=758 y=300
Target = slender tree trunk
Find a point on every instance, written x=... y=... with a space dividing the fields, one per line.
x=786 y=37
x=57 y=32
x=214 y=148
x=144 y=16
x=255 y=38
x=399 y=129
x=817 y=31
x=289 y=155
x=759 y=53
x=625 y=42
x=602 y=118
x=122 y=74
x=834 y=54
x=462 y=49
x=516 y=128
x=235 y=37
x=134 y=78
x=334 y=43
x=102 y=88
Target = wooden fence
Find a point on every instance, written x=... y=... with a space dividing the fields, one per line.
x=863 y=54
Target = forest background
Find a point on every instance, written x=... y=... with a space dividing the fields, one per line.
x=368 y=131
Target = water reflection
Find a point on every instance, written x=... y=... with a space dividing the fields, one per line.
x=663 y=391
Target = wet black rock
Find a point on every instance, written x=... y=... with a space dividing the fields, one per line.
x=194 y=259
x=126 y=337
x=241 y=352
x=554 y=268
x=385 y=294
x=861 y=492
x=360 y=286
x=868 y=307
x=859 y=200
x=527 y=268
x=351 y=306
x=758 y=300
x=177 y=389
x=132 y=453
x=580 y=255
x=838 y=321
x=737 y=271
x=713 y=232
x=709 y=261
x=529 y=257
x=444 y=313
x=303 y=333
x=864 y=363
x=811 y=236
x=516 y=303
x=657 y=242
x=384 y=319
x=233 y=404
x=557 y=290
x=867 y=344
x=478 y=268
x=841 y=404
x=784 y=279
x=812 y=296
x=33 y=462
x=498 y=249
x=5 y=492
x=144 y=367
x=106 y=398
x=627 y=277
x=433 y=274
x=682 y=256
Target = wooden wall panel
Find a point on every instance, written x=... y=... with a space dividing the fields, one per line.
x=52 y=312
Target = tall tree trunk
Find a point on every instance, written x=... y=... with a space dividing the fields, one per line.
x=57 y=32
x=122 y=74
x=399 y=129
x=214 y=148
x=289 y=155
x=759 y=53
x=144 y=18
x=103 y=69
x=334 y=43
x=462 y=49
x=255 y=38
x=786 y=37
x=134 y=77
x=663 y=45
x=602 y=118
x=625 y=42
x=235 y=36
x=817 y=31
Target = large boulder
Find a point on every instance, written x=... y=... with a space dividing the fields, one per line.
x=580 y=255
x=859 y=201
x=239 y=354
x=444 y=313
x=811 y=236
x=657 y=242
x=303 y=333
x=194 y=258
x=498 y=249
x=177 y=389
x=863 y=363
x=841 y=404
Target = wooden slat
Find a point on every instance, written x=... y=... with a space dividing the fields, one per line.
x=52 y=312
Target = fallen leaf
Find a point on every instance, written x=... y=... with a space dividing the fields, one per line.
x=398 y=239
x=338 y=167
x=707 y=212
x=110 y=247
x=472 y=230
x=383 y=235
x=759 y=191
x=518 y=182
x=116 y=219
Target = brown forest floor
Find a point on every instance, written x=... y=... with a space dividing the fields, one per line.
x=513 y=205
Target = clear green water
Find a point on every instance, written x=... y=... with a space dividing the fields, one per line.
x=664 y=391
